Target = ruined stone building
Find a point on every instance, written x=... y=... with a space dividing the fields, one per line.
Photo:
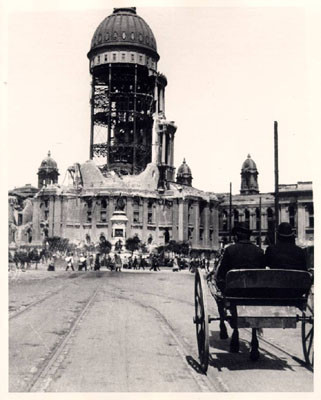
x=128 y=186
x=258 y=209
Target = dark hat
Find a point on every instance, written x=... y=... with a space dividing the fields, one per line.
x=285 y=230
x=241 y=227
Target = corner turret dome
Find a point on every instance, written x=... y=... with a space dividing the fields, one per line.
x=248 y=164
x=47 y=172
x=249 y=181
x=48 y=163
x=184 y=174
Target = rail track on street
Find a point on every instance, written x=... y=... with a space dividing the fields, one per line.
x=42 y=377
x=42 y=299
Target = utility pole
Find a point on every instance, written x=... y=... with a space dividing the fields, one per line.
x=230 y=214
x=276 y=179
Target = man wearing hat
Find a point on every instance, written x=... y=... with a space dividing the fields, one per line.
x=285 y=254
x=242 y=254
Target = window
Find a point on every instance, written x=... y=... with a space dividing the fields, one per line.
x=211 y=234
x=201 y=234
x=150 y=219
x=124 y=35
x=140 y=58
x=270 y=219
x=107 y=36
x=258 y=219
x=292 y=214
x=106 y=58
x=89 y=216
x=310 y=216
x=140 y=37
x=114 y=56
x=98 y=59
x=132 y=36
x=115 y=35
x=190 y=233
x=236 y=216
x=103 y=211
x=247 y=218
x=223 y=220
x=147 y=39
x=132 y=56
x=123 y=56
x=99 y=38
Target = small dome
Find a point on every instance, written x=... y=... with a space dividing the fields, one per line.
x=124 y=28
x=248 y=164
x=48 y=163
x=184 y=169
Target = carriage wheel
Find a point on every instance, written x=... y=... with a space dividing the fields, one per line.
x=307 y=332
x=201 y=319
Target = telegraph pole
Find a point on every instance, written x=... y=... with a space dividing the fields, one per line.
x=276 y=179
x=230 y=213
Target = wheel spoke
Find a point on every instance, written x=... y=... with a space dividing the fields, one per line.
x=311 y=342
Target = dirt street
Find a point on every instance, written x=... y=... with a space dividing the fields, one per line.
x=132 y=332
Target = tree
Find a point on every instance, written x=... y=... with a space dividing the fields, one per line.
x=132 y=244
x=104 y=245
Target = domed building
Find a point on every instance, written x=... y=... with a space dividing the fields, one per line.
x=257 y=210
x=47 y=172
x=184 y=174
x=131 y=155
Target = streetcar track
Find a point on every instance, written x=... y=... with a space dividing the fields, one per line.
x=42 y=378
x=204 y=382
x=39 y=301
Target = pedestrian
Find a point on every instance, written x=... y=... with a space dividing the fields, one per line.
x=82 y=263
x=97 y=262
x=70 y=261
x=175 y=267
x=135 y=263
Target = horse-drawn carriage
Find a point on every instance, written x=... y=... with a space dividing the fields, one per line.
x=262 y=298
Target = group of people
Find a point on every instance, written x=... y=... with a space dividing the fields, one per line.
x=243 y=254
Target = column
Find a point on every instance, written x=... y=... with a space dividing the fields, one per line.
x=164 y=147
x=111 y=208
x=145 y=212
x=206 y=227
x=284 y=213
x=196 y=240
x=155 y=133
x=181 y=220
x=129 y=213
x=301 y=223
x=57 y=218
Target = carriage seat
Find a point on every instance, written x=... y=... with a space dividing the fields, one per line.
x=267 y=283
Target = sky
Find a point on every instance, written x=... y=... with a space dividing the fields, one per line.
x=233 y=68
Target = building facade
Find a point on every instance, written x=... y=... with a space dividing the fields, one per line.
x=131 y=155
x=258 y=209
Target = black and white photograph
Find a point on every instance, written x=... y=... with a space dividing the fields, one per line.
x=161 y=171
